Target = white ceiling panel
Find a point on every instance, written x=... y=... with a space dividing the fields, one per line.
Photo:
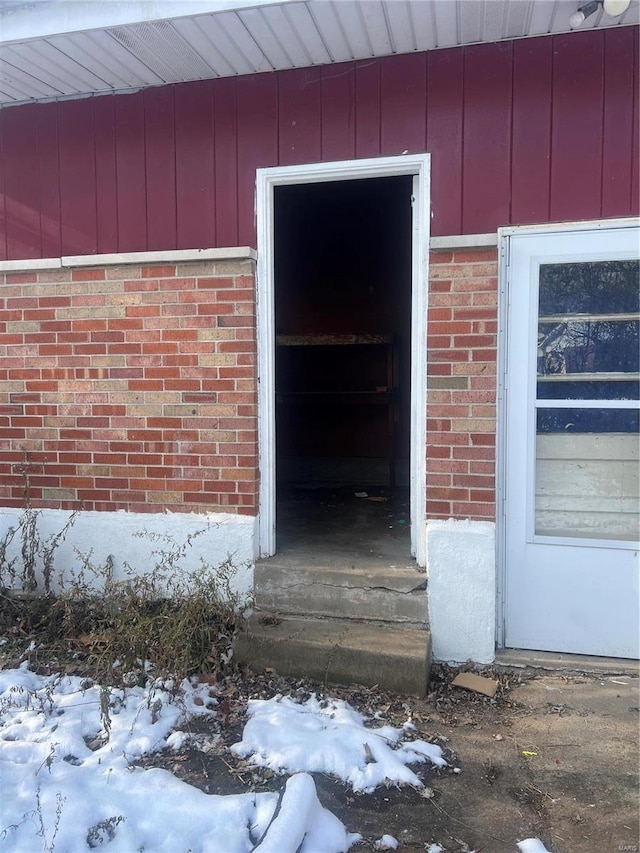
x=330 y=28
x=494 y=21
x=105 y=50
x=29 y=58
x=288 y=36
x=232 y=54
x=352 y=25
x=376 y=24
x=445 y=21
x=542 y=15
x=88 y=54
x=300 y=17
x=264 y=34
x=196 y=36
x=160 y=47
x=123 y=60
x=26 y=84
x=422 y=16
x=518 y=17
x=235 y=29
x=401 y=27
x=470 y=20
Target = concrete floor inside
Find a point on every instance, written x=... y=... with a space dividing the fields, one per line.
x=343 y=527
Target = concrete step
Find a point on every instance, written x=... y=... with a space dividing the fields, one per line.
x=338 y=651
x=371 y=593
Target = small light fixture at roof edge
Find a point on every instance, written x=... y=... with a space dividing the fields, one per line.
x=613 y=8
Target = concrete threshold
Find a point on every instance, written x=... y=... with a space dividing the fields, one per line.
x=557 y=662
x=338 y=651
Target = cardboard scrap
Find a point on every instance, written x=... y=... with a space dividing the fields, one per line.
x=476 y=683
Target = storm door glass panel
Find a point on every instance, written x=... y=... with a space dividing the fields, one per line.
x=588 y=380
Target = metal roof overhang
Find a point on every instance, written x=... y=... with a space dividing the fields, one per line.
x=52 y=49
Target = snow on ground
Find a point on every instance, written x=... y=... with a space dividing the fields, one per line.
x=330 y=737
x=532 y=845
x=67 y=782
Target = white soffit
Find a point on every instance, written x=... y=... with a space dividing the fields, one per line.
x=65 y=48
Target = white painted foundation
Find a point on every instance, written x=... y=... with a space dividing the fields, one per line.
x=461 y=566
x=97 y=535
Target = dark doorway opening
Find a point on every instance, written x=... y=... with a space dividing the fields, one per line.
x=342 y=257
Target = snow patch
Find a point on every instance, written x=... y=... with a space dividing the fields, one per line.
x=330 y=737
x=67 y=781
x=532 y=845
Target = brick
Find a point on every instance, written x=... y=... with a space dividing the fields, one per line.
x=479 y=511
x=474 y=342
x=88 y=275
x=215 y=283
x=439 y=286
x=440 y=257
x=468 y=256
x=20 y=277
x=158 y=271
x=439 y=342
x=486 y=438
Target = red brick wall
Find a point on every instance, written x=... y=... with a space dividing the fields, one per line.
x=461 y=413
x=134 y=387
x=130 y=388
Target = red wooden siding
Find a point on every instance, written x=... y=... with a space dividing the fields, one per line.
x=160 y=153
x=531 y=132
x=338 y=111
x=577 y=127
x=106 y=183
x=486 y=140
x=520 y=132
x=445 y=88
x=131 y=177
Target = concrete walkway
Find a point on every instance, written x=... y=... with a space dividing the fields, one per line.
x=557 y=759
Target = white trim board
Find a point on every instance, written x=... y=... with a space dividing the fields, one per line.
x=464 y=241
x=417 y=165
x=176 y=256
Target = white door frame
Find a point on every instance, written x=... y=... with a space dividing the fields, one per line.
x=504 y=235
x=417 y=165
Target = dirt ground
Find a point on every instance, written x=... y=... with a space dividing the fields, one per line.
x=551 y=756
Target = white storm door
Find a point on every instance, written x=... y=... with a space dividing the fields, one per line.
x=572 y=507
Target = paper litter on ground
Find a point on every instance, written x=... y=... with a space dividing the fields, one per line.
x=331 y=737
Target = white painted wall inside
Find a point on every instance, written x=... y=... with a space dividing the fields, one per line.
x=135 y=539
x=461 y=566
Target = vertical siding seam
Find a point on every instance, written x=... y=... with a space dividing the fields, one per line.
x=321 y=115
x=603 y=65
x=636 y=123
x=144 y=168
x=551 y=115
x=278 y=161
x=175 y=167
x=379 y=91
x=462 y=139
x=115 y=168
x=235 y=139
x=96 y=237
x=38 y=136
x=355 y=110
x=511 y=99
x=214 y=189
x=424 y=106
x=95 y=176
x=3 y=185
x=634 y=116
